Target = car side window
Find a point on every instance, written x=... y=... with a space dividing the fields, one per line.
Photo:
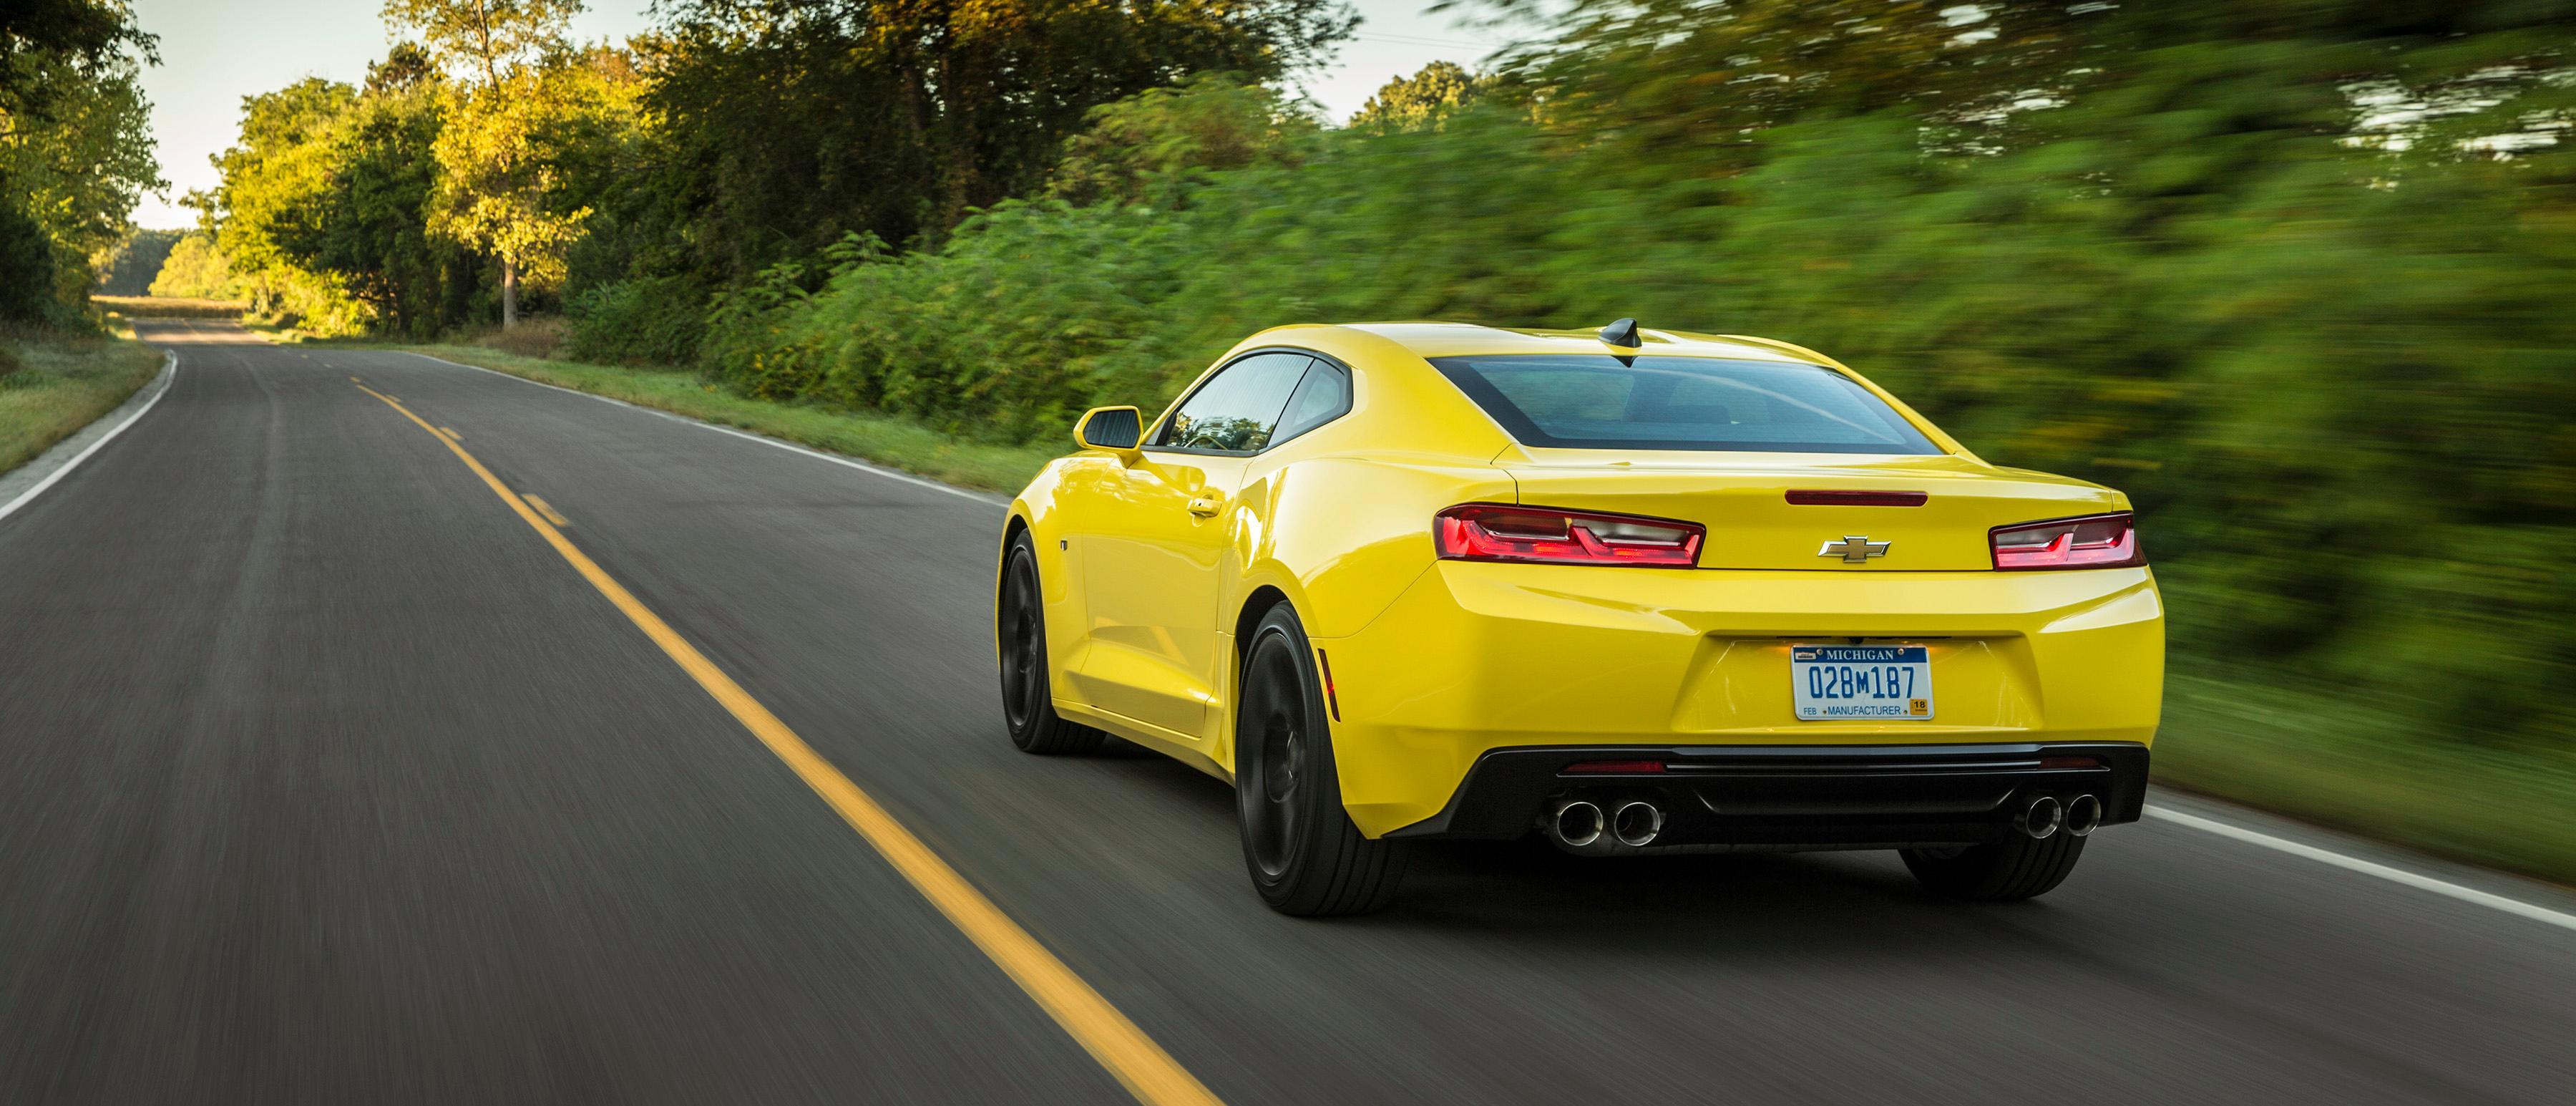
x=1239 y=407
x=1323 y=396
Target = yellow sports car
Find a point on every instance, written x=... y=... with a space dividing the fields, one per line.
x=1633 y=590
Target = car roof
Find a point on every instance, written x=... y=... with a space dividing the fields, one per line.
x=1437 y=339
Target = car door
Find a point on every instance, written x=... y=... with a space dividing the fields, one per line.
x=1154 y=558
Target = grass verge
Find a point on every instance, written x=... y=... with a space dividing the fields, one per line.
x=882 y=439
x=2334 y=760
x=53 y=384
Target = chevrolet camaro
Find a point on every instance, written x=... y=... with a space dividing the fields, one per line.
x=1633 y=591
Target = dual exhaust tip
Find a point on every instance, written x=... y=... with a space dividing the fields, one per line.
x=1582 y=826
x=2045 y=815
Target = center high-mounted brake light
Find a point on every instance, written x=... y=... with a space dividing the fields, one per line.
x=1541 y=535
x=2094 y=541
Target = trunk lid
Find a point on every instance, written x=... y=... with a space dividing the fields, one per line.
x=1743 y=500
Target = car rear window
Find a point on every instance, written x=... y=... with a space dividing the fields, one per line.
x=1603 y=402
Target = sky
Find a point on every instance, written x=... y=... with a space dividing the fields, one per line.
x=214 y=52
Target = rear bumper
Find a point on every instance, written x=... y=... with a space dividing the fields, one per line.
x=1799 y=796
x=1474 y=659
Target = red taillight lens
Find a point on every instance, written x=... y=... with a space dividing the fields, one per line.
x=1494 y=532
x=2094 y=541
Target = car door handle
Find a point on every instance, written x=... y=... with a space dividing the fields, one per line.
x=1203 y=506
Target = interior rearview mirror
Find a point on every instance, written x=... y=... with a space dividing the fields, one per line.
x=1117 y=429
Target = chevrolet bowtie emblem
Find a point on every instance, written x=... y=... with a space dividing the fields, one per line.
x=1854 y=549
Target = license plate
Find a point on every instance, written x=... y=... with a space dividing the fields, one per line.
x=1862 y=682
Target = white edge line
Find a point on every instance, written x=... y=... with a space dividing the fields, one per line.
x=763 y=439
x=2370 y=868
x=167 y=377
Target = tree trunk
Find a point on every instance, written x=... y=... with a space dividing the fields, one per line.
x=509 y=293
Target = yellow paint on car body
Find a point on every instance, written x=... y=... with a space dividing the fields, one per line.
x=1440 y=661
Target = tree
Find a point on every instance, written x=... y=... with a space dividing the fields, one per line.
x=195 y=270
x=75 y=135
x=370 y=230
x=1212 y=123
x=491 y=193
x=405 y=67
x=92 y=38
x=1422 y=101
x=783 y=124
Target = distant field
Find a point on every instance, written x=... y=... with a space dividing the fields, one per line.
x=155 y=307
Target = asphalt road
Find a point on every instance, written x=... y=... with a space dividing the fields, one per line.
x=323 y=778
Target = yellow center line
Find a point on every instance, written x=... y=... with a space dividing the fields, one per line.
x=546 y=509
x=451 y=433
x=1118 y=1044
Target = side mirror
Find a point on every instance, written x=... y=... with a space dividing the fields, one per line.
x=1119 y=430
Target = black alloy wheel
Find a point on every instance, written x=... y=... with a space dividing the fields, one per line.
x=1028 y=704
x=1305 y=856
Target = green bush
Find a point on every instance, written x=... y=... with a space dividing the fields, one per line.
x=644 y=321
x=2342 y=405
x=30 y=268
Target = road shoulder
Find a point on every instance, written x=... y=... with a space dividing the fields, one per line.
x=22 y=484
x=886 y=441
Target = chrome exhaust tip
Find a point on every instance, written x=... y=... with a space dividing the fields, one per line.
x=2042 y=817
x=2083 y=815
x=1575 y=824
x=1636 y=823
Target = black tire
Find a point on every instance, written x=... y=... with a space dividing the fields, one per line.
x=2021 y=868
x=1028 y=703
x=1305 y=856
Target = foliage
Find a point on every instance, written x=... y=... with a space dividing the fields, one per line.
x=741 y=133
x=28 y=265
x=643 y=321
x=196 y=269
x=501 y=175
x=325 y=214
x=2335 y=373
x=279 y=180
x=780 y=125
x=1423 y=101
x=90 y=41
x=75 y=147
x=1167 y=135
x=370 y=227
x=507 y=104
x=481 y=41
x=128 y=268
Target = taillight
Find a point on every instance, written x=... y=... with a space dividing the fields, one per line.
x=2094 y=541
x=1494 y=532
